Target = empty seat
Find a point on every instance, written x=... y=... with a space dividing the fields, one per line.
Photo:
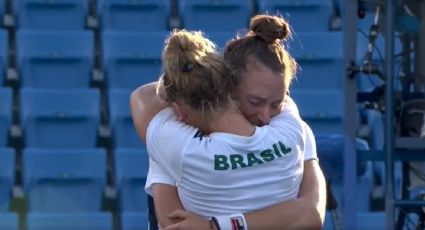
x=64 y=180
x=69 y=221
x=320 y=58
x=324 y=113
x=135 y=15
x=52 y=59
x=123 y=131
x=60 y=118
x=2 y=7
x=4 y=59
x=302 y=15
x=134 y=220
x=5 y=114
x=132 y=59
x=51 y=15
x=7 y=178
x=131 y=168
x=220 y=38
x=9 y=221
x=215 y=15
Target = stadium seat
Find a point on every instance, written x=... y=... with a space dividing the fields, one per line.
x=44 y=15
x=134 y=220
x=132 y=59
x=302 y=15
x=2 y=8
x=324 y=114
x=135 y=15
x=60 y=118
x=5 y=114
x=70 y=221
x=4 y=59
x=52 y=59
x=319 y=55
x=131 y=168
x=64 y=180
x=123 y=131
x=9 y=221
x=215 y=15
x=220 y=38
x=7 y=178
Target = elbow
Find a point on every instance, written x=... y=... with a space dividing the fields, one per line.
x=315 y=220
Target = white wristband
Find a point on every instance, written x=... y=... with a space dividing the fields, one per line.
x=232 y=222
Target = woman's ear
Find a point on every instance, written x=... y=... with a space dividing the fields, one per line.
x=181 y=114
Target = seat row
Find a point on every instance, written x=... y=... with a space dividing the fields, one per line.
x=52 y=59
x=68 y=118
x=74 y=180
x=80 y=221
x=148 y=15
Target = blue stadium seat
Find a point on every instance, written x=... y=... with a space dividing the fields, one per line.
x=9 y=221
x=52 y=59
x=371 y=220
x=215 y=15
x=51 y=15
x=2 y=7
x=320 y=57
x=4 y=59
x=7 y=177
x=131 y=168
x=135 y=15
x=220 y=38
x=64 y=180
x=302 y=15
x=128 y=62
x=123 y=131
x=5 y=114
x=69 y=221
x=324 y=117
x=134 y=220
x=60 y=118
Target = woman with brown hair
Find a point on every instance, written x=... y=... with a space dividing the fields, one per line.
x=263 y=71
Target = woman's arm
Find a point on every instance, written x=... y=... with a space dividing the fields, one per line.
x=305 y=212
x=145 y=104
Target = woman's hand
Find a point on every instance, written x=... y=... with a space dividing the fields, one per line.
x=188 y=221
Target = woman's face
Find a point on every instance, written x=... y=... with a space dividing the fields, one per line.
x=260 y=94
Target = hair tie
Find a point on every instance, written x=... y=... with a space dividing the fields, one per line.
x=187 y=67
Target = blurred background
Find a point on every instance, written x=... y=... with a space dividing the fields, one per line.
x=71 y=159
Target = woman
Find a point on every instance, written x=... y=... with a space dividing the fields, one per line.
x=260 y=100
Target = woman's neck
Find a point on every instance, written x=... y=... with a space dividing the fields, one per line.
x=230 y=121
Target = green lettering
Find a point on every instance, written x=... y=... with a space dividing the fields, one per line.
x=284 y=149
x=237 y=159
x=267 y=155
x=220 y=162
x=252 y=159
x=276 y=150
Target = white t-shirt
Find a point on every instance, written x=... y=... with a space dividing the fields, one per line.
x=222 y=173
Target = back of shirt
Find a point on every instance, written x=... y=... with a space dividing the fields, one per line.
x=224 y=173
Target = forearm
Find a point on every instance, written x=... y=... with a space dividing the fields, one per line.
x=305 y=212
x=166 y=201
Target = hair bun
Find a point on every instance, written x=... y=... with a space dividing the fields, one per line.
x=269 y=28
x=183 y=50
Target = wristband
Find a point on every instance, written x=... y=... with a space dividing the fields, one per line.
x=231 y=222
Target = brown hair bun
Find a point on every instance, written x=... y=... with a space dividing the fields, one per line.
x=269 y=28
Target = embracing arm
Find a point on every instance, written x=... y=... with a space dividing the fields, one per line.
x=145 y=104
x=305 y=212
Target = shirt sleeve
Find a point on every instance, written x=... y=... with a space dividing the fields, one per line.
x=310 y=150
x=157 y=175
x=166 y=139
